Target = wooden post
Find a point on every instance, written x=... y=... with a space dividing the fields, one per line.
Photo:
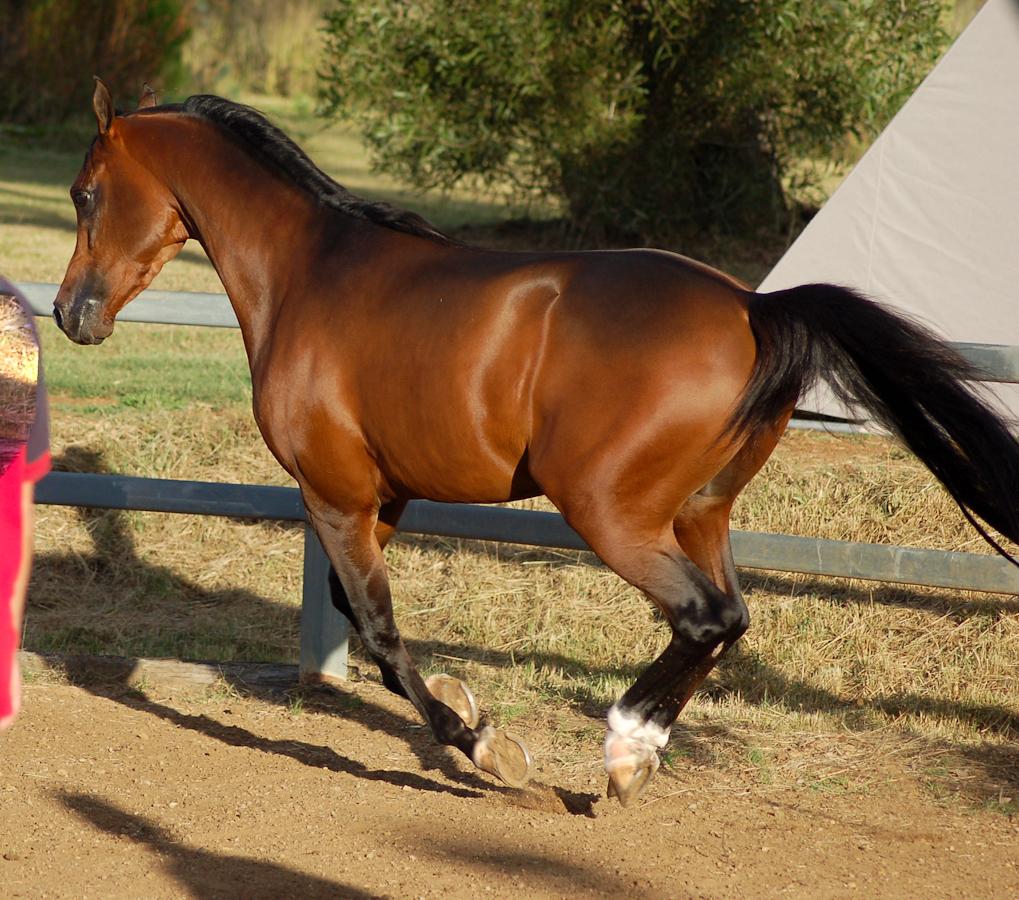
x=324 y=630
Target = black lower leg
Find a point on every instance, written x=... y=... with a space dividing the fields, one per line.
x=339 y=597
x=371 y=614
x=705 y=624
x=400 y=676
x=342 y=603
x=667 y=685
x=398 y=670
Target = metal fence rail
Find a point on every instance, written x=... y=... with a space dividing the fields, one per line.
x=156 y=307
x=324 y=630
x=811 y=556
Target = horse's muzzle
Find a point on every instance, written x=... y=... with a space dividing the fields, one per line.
x=82 y=320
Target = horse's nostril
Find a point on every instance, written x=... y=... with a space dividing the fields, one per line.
x=58 y=318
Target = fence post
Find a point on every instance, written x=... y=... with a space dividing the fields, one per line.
x=324 y=630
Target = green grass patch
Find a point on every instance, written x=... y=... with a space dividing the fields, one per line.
x=150 y=381
x=150 y=367
x=760 y=761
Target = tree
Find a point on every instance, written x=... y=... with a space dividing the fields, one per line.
x=647 y=118
x=50 y=49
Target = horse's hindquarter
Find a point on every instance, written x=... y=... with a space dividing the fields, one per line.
x=649 y=359
x=449 y=372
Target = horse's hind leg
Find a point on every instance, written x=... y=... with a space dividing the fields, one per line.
x=685 y=566
x=705 y=622
x=360 y=589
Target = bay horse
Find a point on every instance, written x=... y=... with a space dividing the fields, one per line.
x=638 y=390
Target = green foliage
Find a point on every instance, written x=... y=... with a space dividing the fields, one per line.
x=50 y=49
x=647 y=118
x=450 y=88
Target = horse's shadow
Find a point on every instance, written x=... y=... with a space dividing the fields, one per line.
x=336 y=702
x=208 y=875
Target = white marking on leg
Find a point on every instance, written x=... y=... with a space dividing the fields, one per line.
x=629 y=737
x=628 y=725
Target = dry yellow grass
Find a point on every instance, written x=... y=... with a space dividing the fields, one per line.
x=19 y=371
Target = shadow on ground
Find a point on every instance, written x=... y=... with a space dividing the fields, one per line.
x=331 y=701
x=207 y=875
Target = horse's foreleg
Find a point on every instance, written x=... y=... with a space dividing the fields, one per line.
x=360 y=590
x=451 y=691
x=385 y=526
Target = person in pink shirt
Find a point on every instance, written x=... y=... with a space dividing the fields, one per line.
x=24 y=459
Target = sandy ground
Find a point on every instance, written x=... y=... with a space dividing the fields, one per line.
x=118 y=792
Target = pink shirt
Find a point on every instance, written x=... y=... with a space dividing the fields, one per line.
x=30 y=463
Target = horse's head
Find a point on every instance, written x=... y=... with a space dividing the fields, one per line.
x=129 y=226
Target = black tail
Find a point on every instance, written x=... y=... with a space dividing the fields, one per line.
x=905 y=378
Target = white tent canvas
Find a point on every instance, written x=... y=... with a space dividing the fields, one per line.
x=928 y=220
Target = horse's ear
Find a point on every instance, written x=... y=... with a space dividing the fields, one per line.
x=103 y=106
x=148 y=97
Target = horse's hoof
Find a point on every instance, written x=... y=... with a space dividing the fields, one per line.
x=630 y=763
x=627 y=782
x=456 y=695
x=631 y=754
x=502 y=754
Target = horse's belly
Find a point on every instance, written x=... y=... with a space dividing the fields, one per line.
x=457 y=467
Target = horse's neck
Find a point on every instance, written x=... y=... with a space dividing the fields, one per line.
x=252 y=245
x=254 y=227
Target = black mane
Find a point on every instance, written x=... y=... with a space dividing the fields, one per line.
x=269 y=142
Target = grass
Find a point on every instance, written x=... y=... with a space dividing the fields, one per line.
x=150 y=367
x=833 y=676
x=19 y=371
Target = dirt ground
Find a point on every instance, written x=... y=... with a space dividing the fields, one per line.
x=109 y=791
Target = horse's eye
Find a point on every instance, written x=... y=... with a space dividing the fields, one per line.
x=81 y=198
